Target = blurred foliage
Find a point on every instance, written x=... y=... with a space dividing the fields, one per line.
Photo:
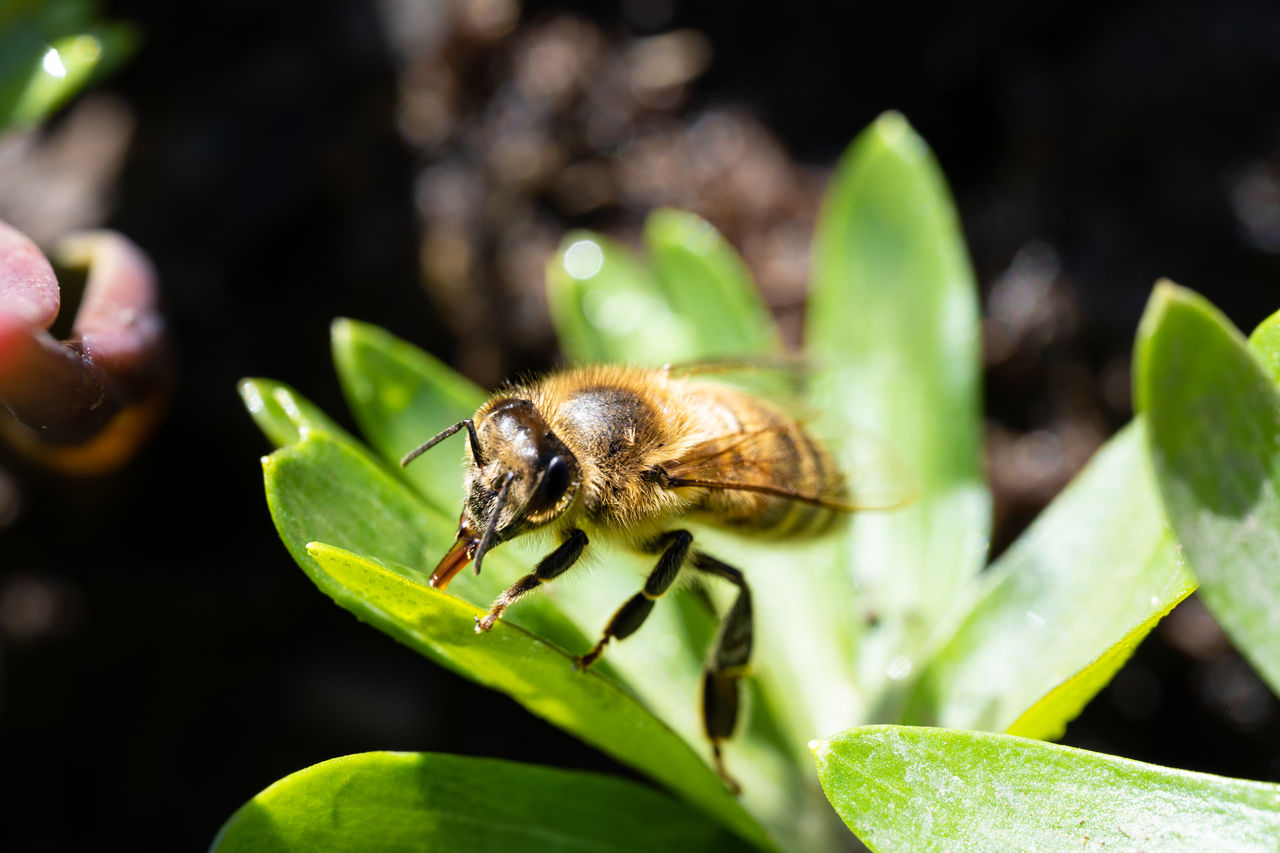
x=51 y=49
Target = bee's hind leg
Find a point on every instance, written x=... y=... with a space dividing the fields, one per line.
x=674 y=546
x=727 y=664
x=551 y=566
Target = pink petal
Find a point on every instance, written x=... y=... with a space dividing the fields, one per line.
x=28 y=288
x=83 y=404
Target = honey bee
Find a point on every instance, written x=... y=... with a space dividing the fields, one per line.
x=624 y=454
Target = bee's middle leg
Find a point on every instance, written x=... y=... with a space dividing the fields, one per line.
x=551 y=566
x=674 y=546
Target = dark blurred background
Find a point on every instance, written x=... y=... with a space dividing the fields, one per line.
x=413 y=164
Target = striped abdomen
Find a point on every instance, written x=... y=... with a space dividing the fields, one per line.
x=762 y=447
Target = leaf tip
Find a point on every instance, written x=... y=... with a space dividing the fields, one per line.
x=1165 y=293
x=897 y=134
x=341 y=330
x=251 y=394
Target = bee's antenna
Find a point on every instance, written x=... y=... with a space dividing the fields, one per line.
x=492 y=523
x=432 y=442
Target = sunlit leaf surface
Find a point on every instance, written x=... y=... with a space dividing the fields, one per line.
x=1214 y=436
x=401 y=397
x=536 y=674
x=1068 y=601
x=893 y=326
x=403 y=801
x=918 y=789
x=703 y=279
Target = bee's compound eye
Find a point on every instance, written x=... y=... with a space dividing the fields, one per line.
x=555 y=482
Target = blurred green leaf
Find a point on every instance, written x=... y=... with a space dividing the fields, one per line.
x=423 y=801
x=51 y=50
x=1265 y=344
x=1212 y=414
x=706 y=283
x=693 y=300
x=536 y=674
x=401 y=396
x=893 y=327
x=904 y=788
x=1047 y=719
x=606 y=307
x=1067 y=602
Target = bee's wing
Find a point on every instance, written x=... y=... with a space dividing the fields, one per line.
x=758 y=461
x=780 y=377
x=795 y=367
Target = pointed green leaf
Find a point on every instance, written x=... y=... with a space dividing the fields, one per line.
x=1067 y=602
x=705 y=282
x=1048 y=718
x=894 y=328
x=393 y=801
x=323 y=490
x=284 y=415
x=48 y=57
x=694 y=300
x=1213 y=417
x=902 y=788
x=606 y=306
x=401 y=396
x=536 y=674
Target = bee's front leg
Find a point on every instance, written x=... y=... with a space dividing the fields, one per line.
x=674 y=546
x=551 y=566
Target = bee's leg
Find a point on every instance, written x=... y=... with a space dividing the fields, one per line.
x=551 y=566
x=674 y=546
x=727 y=664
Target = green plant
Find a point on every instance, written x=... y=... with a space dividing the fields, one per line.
x=894 y=621
x=49 y=50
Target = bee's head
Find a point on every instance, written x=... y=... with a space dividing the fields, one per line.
x=522 y=476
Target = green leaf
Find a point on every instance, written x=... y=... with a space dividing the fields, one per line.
x=51 y=50
x=401 y=396
x=704 y=281
x=1066 y=604
x=321 y=490
x=606 y=307
x=284 y=415
x=1265 y=344
x=536 y=674
x=894 y=328
x=695 y=301
x=1048 y=718
x=903 y=788
x=423 y=801
x=1214 y=437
